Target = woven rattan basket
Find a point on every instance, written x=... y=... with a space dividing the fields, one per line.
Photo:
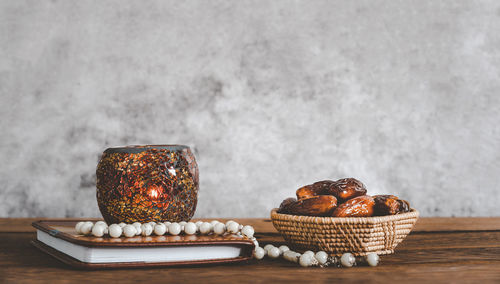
x=334 y=235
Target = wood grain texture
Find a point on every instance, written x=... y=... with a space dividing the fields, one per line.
x=446 y=250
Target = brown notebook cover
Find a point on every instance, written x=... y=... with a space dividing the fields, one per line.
x=65 y=230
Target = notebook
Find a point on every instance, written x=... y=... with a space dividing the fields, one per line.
x=60 y=240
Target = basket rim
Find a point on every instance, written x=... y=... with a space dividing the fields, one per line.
x=413 y=213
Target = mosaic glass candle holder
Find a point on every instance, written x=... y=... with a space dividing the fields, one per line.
x=147 y=183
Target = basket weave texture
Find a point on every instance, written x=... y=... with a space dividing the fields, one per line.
x=334 y=235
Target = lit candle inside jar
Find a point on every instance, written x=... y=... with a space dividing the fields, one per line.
x=155 y=191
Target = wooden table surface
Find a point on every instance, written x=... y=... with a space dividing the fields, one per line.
x=449 y=250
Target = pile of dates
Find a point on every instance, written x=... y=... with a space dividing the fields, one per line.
x=342 y=198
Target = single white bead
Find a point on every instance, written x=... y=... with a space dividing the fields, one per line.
x=321 y=257
x=229 y=222
x=297 y=256
x=101 y=223
x=290 y=256
x=219 y=228
x=78 y=226
x=259 y=252
x=115 y=231
x=122 y=225
x=268 y=247
x=283 y=249
x=174 y=229
x=232 y=227
x=248 y=231
x=205 y=228
x=274 y=252
x=306 y=260
x=190 y=228
x=146 y=229
x=347 y=260
x=198 y=224
x=309 y=252
x=372 y=259
x=86 y=228
x=98 y=230
x=214 y=222
x=129 y=231
x=138 y=229
x=160 y=229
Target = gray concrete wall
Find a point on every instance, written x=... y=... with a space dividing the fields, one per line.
x=403 y=95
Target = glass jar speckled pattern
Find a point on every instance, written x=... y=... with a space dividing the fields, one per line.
x=147 y=183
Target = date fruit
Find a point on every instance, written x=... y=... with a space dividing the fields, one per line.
x=285 y=203
x=321 y=205
x=389 y=205
x=346 y=188
x=305 y=192
x=386 y=205
x=361 y=206
x=343 y=189
x=342 y=198
x=405 y=206
x=315 y=189
x=322 y=187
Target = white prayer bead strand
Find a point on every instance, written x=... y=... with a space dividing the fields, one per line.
x=308 y=258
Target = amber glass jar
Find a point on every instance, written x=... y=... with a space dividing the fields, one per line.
x=147 y=183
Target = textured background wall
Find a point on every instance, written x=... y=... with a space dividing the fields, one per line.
x=403 y=95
